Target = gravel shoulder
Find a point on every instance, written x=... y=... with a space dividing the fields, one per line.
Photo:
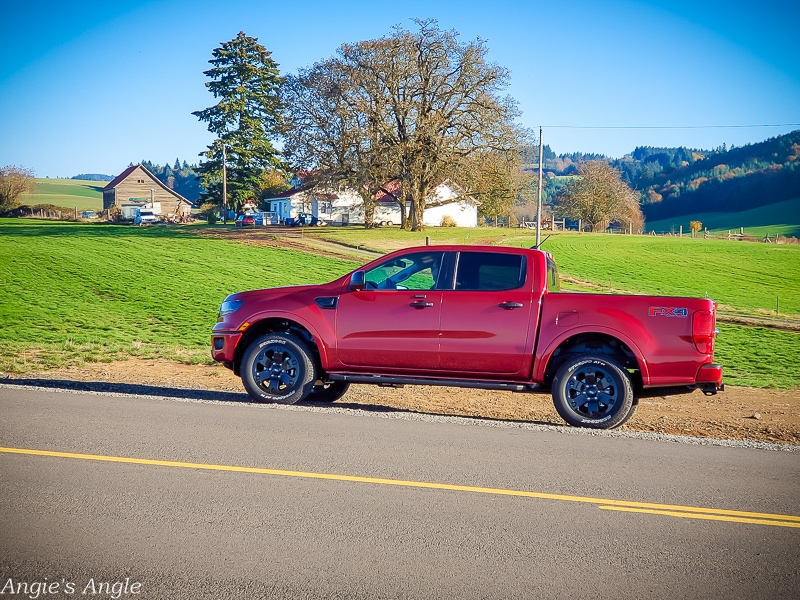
x=738 y=413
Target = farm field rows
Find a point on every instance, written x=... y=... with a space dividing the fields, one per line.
x=80 y=293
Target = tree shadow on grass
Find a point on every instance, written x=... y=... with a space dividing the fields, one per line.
x=28 y=228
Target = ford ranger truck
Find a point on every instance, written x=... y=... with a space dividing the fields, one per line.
x=470 y=316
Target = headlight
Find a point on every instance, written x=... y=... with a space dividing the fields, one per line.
x=228 y=307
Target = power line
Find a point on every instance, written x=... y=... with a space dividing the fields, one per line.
x=670 y=126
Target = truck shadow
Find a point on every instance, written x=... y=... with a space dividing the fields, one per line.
x=131 y=389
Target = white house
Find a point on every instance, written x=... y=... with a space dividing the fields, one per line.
x=348 y=208
x=288 y=204
x=448 y=200
x=345 y=206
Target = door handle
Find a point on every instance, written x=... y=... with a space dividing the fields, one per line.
x=421 y=304
x=510 y=305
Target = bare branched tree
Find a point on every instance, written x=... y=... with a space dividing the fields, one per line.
x=14 y=181
x=598 y=195
x=328 y=135
x=497 y=180
x=407 y=107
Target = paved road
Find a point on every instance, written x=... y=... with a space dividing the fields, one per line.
x=235 y=500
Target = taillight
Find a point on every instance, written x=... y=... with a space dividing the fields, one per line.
x=703 y=331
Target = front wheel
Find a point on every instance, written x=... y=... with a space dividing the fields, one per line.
x=593 y=391
x=278 y=367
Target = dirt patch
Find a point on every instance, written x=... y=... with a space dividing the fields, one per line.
x=737 y=413
x=291 y=238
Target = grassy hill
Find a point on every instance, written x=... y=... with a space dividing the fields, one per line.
x=68 y=193
x=118 y=291
x=773 y=219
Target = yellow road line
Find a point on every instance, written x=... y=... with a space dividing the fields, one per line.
x=771 y=520
x=603 y=503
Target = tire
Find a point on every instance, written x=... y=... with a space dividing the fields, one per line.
x=277 y=367
x=593 y=391
x=328 y=392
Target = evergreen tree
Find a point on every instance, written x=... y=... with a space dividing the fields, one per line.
x=246 y=80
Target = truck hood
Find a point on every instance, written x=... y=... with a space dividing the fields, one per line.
x=334 y=287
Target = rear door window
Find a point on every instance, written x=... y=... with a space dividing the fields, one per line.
x=489 y=271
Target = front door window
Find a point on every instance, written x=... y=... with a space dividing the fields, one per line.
x=393 y=323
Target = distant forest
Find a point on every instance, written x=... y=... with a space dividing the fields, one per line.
x=180 y=177
x=93 y=177
x=679 y=181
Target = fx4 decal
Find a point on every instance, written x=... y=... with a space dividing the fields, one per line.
x=668 y=311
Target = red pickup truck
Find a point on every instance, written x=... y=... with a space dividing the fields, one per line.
x=469 y=316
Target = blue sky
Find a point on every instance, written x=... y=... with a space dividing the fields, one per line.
x=89 y=87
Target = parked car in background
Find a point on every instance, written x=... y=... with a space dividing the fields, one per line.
x=304 y=219
x=88 y=214
x=243 y=220
x=146 y=216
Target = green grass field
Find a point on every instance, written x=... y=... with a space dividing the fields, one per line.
x=94 y=292
x=743 y=277
x=90 y=291
x=781 y=218
x=68 y=193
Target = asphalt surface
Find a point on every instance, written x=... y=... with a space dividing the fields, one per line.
x=331 y=505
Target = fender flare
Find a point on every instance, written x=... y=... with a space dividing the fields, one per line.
x=543 y=356
x=322 y=348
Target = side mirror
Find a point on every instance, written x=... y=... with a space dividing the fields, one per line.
x=358 y=281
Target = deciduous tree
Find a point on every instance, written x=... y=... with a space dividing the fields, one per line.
x=14 y=181
x=598 y=195
x=407 y=107
x=330 y=137
x=497 y=180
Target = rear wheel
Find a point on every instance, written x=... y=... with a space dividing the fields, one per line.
x=329 y=391
x=277 y=367
x=593 y=391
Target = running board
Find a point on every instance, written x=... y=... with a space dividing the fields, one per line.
x=395 y=381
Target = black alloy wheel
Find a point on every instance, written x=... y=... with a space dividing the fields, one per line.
x=278 y=368
x=593 y=391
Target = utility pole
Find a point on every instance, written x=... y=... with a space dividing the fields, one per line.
x=539 y=195
x=224 y=189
